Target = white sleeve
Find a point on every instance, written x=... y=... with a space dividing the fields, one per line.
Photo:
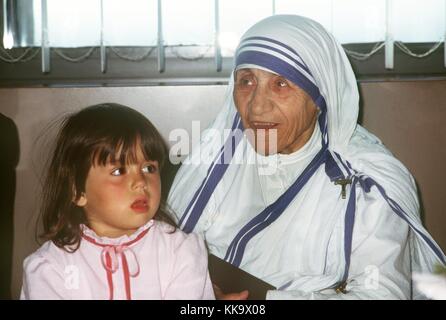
x=190 y=279
x=380 y=259
x=42 y=280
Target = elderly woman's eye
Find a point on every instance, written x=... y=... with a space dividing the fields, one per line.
x=246 y=81
x=282 y=83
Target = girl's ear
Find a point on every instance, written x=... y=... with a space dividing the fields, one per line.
x=79 y=201
x=82 y=201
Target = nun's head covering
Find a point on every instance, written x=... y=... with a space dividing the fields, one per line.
x=302 y=51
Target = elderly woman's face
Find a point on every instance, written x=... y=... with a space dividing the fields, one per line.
x=267 y=101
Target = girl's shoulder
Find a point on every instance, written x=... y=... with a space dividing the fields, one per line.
x=47 y=254
x=46 y=272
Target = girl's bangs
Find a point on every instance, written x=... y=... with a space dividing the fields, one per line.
x=124 y=150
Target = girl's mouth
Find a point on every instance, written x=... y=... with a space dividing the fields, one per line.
x=140 y=205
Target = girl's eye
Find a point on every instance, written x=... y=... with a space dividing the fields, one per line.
x=149 y=168
x=118 y=172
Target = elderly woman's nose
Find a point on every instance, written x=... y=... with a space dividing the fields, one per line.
x=260 y=101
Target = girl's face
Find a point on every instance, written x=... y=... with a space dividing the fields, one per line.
x=120 y=199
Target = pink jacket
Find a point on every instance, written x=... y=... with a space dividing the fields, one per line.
x=150 y=264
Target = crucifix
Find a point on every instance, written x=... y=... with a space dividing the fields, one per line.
x=343 y=183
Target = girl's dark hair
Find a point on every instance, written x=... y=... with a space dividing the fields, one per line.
x=89 y=137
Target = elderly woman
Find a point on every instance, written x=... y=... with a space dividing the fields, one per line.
x=308 y=201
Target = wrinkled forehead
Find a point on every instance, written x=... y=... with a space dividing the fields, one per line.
x=276 y=57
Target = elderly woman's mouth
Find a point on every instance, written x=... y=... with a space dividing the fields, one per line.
x=263 y=125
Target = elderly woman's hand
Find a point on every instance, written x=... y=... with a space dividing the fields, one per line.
x=220 y=295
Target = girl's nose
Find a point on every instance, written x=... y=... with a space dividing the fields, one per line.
x=139 y=181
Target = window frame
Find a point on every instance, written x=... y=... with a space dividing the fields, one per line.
x=196 y=72
x=202 y=71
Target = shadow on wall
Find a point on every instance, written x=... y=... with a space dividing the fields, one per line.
x=9 y=144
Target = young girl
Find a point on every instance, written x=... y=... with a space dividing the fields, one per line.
x=102 y=217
